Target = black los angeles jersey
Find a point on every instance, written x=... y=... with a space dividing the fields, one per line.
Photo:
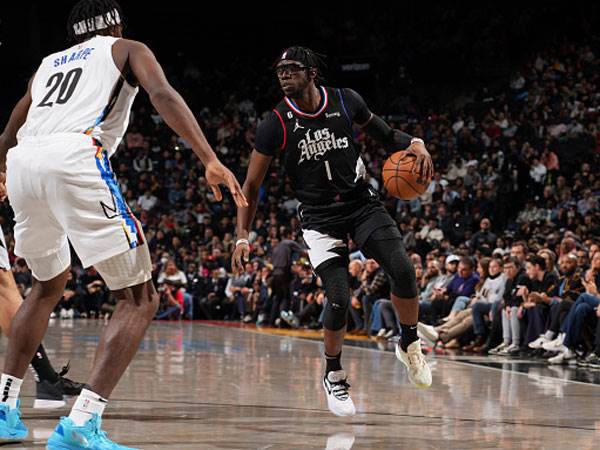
x=317 y=149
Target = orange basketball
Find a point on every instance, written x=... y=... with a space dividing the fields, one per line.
x=398 y=178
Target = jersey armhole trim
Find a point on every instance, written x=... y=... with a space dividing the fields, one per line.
x=284 y=129
x=114 y=64
x=339 y=91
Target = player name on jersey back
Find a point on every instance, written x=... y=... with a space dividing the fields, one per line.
x=73 y=56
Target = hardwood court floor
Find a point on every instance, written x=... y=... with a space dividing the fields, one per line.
x=198 y=386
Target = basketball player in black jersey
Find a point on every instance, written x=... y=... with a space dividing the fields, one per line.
x=311 y=130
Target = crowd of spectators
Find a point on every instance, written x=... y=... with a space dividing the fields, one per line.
x=504 y=241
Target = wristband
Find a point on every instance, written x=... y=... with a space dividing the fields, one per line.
x=416 y=139
x=242 y=241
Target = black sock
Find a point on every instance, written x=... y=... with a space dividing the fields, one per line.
x=333 y=362
x=409 y=335
x=42 y=367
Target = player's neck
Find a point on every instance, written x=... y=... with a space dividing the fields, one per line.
x=310 y=99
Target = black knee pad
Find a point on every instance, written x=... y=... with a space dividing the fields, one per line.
x=334 y=274
x=385 y=246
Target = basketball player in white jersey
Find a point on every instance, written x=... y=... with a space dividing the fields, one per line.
x=61 y=186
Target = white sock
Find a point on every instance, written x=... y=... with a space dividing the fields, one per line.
x=87 y=404
x=9 y=389
x=549 y=335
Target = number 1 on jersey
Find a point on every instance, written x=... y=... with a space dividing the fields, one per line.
x=328 y=170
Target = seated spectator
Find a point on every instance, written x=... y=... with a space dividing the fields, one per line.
x=538 y=289
x=462 y=285
x=374 y=285
x=565 y=293
x=172 y=274
x=238 y=292
x=511 y=325
x=438 y=290
x=462 y=301
x=171 y=301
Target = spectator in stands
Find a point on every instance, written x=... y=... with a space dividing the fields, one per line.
x=511 y=325
x=539 y=288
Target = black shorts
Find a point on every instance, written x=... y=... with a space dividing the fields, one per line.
x=326 y=227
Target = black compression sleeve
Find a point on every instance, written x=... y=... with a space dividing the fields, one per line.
x=392 y=140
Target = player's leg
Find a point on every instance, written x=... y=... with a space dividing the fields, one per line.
x=128 y=275
x=27 y=330
x=329 y=257
x=50 y=386
x=384 y=244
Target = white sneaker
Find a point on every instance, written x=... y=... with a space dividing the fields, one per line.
x=538 y=342
x=509 y=350
x=389 y=334
x=427 y=333
x=381 y=332
x=338 y=398
x=340 y=441
x=419 y=372
x=556 y=344
x=498 y=349
x=563 y=357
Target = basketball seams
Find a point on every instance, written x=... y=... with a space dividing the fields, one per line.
x=400 y=181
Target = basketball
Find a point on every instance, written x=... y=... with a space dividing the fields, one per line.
x=398 y=178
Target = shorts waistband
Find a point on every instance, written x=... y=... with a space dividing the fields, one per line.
x=45 y=139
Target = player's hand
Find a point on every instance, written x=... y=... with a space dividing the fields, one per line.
x=241 y=255
x=217 y=173
x=423 y=164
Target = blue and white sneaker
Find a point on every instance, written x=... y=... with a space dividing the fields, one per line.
x=90 y=436
x=12 y=428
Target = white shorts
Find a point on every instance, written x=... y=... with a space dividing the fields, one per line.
x=322 y=247
x=4 y=261
x=62 y=187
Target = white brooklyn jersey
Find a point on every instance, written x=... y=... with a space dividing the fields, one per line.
x=80 y=90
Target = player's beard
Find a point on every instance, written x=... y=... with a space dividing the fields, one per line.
x=297 y=93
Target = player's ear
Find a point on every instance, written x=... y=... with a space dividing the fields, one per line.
x=312 y=74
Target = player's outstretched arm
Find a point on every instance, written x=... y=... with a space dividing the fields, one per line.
x=175 y=112
x=8 y=138
x=257 y=169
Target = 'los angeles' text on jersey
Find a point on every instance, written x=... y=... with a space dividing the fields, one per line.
x=318 y=142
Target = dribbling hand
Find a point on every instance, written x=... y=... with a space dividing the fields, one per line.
x=423 y=165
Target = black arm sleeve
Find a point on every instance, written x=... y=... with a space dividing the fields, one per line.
x=392 y=140
x=269 y=135
x=356 y=107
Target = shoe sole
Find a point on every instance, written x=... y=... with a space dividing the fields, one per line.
x=399 y=356
x=4 y=441
x=332 y=411
x=59 y=446
x=48 y=404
